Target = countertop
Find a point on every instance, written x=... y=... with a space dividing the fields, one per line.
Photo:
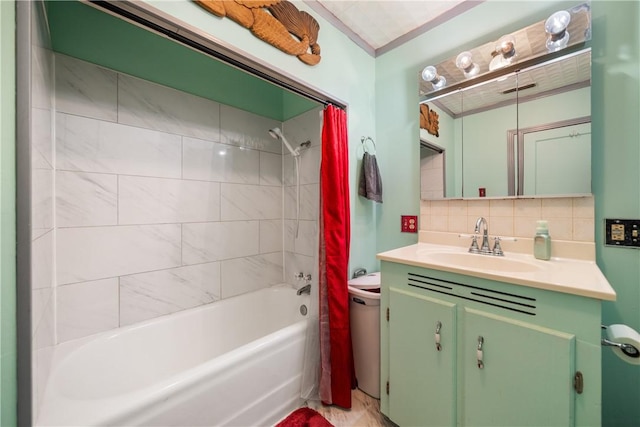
x=567 y=275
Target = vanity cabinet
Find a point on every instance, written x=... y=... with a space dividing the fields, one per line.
x=508 y=355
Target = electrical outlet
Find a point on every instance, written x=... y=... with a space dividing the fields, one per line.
x=409 y=224
x=622 y=232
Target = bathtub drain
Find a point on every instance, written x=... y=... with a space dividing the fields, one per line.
x=303 y=310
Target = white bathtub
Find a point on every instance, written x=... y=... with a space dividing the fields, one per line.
x=236 y=362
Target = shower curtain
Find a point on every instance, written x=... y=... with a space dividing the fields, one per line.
x=337 y=376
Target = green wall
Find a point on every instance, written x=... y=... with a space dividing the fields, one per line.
x=615 y=153
x=8 y=391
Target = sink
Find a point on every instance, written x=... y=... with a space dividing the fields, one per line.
x=481 y=262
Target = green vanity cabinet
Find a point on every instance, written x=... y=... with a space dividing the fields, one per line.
x=508 y=354
x=525 y=377
x=424 y=374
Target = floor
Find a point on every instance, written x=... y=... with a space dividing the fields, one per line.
x=365 y=412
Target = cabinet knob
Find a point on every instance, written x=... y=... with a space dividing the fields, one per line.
x=479 y=352
x=438 y=327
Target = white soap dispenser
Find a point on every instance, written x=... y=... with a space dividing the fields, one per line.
x=542 y=241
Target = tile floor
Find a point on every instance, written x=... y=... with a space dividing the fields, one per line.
x=365 y=412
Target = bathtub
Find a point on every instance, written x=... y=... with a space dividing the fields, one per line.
x=237 y=362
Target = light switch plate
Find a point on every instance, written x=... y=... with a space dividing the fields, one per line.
x=409 y=224
x=622 y=232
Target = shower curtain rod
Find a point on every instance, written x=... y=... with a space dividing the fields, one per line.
x=141 y=15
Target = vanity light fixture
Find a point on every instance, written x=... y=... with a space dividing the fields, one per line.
x=556 y=28
x=464 y=61
x=504 y=53
x=430 y=74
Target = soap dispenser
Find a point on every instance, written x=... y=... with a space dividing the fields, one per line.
x=542 y=241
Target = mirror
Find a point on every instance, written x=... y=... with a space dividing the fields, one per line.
x=521 y=132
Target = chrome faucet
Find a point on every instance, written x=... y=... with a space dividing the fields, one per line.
x=306 y=289
x=484 y=248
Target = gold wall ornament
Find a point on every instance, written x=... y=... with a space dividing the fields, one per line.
x=429 y=120
x=275 y=27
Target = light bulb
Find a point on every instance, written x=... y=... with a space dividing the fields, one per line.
x=430 y=74
x=556 y=28
x=506 y=46
x=464 y=61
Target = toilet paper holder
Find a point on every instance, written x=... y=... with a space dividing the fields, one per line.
x=627 y=349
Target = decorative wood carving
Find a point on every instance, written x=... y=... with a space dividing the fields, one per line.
x=429 y=120
x=273 y=21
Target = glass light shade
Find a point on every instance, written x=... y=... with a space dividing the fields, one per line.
x=556 y=28
x=464 y=61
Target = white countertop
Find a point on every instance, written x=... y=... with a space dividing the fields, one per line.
x=567 y=275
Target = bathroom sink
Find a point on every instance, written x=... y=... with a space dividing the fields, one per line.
x=481 y=262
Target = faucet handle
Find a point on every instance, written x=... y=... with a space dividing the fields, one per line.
x=497 y=249
x=474 y=249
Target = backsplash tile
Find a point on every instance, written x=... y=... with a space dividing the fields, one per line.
x=569 y=218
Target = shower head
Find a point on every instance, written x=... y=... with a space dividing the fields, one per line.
x=276 y=133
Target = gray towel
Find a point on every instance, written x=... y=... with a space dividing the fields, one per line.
x=370 y=185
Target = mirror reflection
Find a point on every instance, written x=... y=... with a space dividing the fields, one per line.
x=524 y=134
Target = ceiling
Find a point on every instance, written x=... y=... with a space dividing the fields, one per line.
x=380 y=25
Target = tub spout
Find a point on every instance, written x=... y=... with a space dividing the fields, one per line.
x=306 y=289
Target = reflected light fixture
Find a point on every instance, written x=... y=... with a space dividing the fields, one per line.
x=505 y=52
x=556 y=28
x=464 y=61
x=430 y=74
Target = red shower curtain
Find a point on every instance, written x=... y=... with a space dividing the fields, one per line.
x=337 y=376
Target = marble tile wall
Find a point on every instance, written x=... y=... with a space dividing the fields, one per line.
x=42 y=208
x=570 y=218
x=166 y=201
x=300 y=252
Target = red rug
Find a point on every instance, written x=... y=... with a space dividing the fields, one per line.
x=304 y=417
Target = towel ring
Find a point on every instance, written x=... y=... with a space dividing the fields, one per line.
x=364 y=140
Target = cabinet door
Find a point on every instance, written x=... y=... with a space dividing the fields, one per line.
x=527 y=373
x=421 y=377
